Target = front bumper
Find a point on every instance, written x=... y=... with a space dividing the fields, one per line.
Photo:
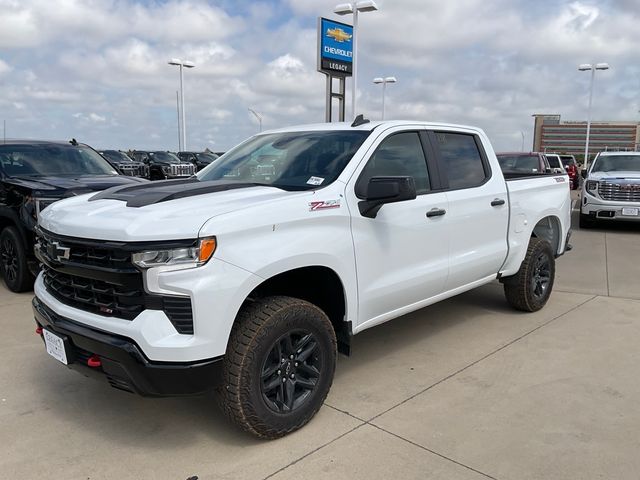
x=600 y=209
x=123 y=364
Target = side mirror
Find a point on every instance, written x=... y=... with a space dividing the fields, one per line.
x=583 y=173
x=548 y=170
x=381 y=190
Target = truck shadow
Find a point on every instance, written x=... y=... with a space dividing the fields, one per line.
x=163 y=424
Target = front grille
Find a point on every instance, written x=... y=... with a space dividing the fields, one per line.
x=134 y=170
x=619 y=192
x=182 y=169
x=94 y=296
x=98 y=277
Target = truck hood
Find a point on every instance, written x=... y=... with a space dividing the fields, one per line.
x=148 y=215
x=59 y=186
x=612 y=176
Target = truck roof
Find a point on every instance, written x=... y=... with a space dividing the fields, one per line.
x=617 y=154
x=312 y=127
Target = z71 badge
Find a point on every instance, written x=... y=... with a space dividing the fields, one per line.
x=324 y=205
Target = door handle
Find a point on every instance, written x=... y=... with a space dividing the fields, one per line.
x=436 y=212
x=497 y=202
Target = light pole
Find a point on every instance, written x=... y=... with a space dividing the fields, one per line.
x=584 y=68
x=354 y=8
x=522 y=133
x=384 y=81
x=258 y=116
x=185 y=64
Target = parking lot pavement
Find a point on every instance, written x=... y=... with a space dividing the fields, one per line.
x=463 y=389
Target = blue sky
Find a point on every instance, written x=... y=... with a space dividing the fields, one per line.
x=96 y=69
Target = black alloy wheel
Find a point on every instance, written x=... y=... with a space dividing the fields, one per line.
x=291 y=371
x=541 y=277
x=530 y=288
x=279 y=365
x=13 y=261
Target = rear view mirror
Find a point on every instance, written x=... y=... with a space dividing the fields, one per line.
x=381 y=190
x=583 y=173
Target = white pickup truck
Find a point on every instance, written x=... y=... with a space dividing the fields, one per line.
x=611 y=189
x=249 y=277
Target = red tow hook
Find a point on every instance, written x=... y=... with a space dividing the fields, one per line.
x=94 y=361
x=39 y=330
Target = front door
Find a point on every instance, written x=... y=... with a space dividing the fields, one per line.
x=402 y=254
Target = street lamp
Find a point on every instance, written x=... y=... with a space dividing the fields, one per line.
x=185 y=64
x=354 y=8
x=258 y=117
x=585 y=67
x=384 y=81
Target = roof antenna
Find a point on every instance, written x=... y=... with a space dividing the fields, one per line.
x=360 y=120
x=73 y=142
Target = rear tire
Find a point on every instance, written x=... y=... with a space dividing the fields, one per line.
x=530 y=288
x=13 y=261
x=279 y=366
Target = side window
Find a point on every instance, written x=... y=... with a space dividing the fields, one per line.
x=400 y=154
x=461 y=158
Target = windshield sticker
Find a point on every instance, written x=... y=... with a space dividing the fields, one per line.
x=315 y=181
x=324 y=205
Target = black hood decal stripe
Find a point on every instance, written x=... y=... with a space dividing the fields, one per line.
x=163 y=191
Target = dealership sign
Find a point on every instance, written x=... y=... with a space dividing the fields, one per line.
x=335 y=47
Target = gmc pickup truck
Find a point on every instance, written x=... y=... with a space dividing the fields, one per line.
x=611 y=189
x=249 y=280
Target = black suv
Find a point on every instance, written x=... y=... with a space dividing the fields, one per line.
x=33 y=175
x=199 y=159
x=164 y=165
x=125 y=164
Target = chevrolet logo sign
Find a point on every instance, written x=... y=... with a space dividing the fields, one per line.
x=338 y=34
x=57 y=252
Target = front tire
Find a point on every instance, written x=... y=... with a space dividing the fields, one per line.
x=279 y=365
x=13 y=261
x=530 y=288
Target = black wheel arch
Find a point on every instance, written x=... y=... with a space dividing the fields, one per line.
x=319 y=285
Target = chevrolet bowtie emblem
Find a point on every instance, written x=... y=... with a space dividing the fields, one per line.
x=338 y=34
x=57 y=252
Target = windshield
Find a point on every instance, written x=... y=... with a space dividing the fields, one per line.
x=206 y=157
x=519 y=163
x=52 y=159
x=167 y=157
x=617 y=163
x=293 y=161
x=116 y=156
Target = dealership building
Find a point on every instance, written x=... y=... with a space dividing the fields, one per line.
x=551 y=134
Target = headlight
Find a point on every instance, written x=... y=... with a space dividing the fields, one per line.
x=185 y=256
x=592 y=186
x=40 y=204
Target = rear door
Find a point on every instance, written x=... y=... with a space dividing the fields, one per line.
x=402 y=255
x=478 y=212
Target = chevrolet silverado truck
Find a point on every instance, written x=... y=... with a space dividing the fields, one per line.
x=611 y=189
x=249 y=280
x=33 y=175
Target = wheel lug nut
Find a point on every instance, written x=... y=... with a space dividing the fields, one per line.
x=293 y=376
x=284 y=379
x=279 y=372
x=291 y=357
x=296 y=364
